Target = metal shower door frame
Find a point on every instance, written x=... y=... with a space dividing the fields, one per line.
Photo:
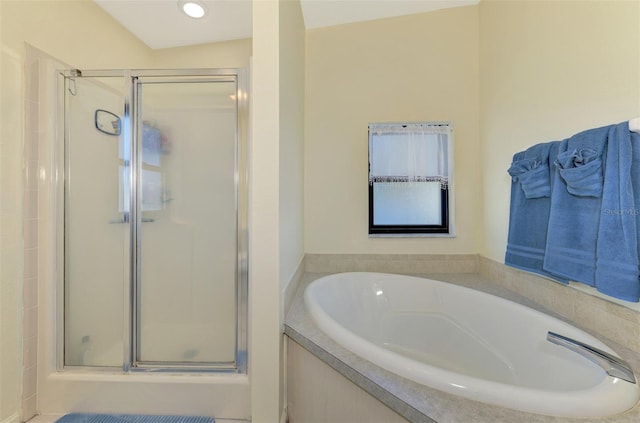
x=131 y=129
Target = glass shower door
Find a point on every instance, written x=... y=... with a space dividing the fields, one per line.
x=186 y=293
x=96 y=226
x=154 y=221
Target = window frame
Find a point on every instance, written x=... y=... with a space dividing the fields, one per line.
x=406 y=229
x=445 y=228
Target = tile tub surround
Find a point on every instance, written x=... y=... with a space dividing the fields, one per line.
x=410 y=264
x=418 y=403
x=604 y=317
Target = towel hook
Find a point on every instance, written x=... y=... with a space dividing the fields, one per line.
x=73 y=89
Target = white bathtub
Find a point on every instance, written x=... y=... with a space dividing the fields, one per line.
x=467 y=343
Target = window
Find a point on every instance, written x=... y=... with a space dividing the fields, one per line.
x=410 y=168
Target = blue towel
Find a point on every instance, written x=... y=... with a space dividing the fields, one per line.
x=529 y=210
x=576 y=203
x=130 y=418
x=581 y=169
x=617 y=271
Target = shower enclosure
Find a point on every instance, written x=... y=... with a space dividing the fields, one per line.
x=152 y=218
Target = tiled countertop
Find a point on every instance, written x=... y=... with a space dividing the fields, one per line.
x=415 y=402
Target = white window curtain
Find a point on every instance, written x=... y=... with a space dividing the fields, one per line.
x=409 y=152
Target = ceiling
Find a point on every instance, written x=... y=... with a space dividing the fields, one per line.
x=161 y=24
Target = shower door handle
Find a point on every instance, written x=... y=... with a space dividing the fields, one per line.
x=125 y=219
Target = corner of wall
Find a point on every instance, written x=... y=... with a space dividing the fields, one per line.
x=289 y=290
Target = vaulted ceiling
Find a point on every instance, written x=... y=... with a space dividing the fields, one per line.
x=161 y=23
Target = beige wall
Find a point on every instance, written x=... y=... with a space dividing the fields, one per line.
x=277 y=191
x=292 y=76
x=291 y=160
x=264 y=242
x=549 y=69
x=228 y=54
x=75 y=31
x=415 y=68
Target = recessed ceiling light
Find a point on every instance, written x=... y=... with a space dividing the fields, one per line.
x=193 y=9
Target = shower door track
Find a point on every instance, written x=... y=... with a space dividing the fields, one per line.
x=131 y=129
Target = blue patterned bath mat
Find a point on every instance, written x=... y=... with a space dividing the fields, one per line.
x=130 y=418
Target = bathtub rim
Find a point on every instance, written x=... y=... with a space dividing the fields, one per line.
x=418 y=403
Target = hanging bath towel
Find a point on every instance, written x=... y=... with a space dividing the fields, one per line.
x=576 y=203
x=531 y=179
x=617 y=271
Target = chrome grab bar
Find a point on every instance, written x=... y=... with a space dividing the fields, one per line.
x=611 y=364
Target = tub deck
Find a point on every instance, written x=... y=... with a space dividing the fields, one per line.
x=419 y=403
